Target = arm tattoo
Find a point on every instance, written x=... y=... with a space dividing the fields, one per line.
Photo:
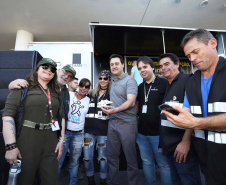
x=12 y=127
x=13 y=131
x=11 y=122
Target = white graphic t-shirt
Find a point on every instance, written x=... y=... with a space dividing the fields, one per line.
x=77 y=112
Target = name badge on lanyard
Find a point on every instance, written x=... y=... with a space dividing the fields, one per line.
x=144 y=109
x=54 y=124
x=99 y=114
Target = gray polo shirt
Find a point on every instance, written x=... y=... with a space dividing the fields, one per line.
x=120 y=88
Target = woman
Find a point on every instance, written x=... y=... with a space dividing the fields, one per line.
x=34 y=139
x=96 y=129
x=74 y=135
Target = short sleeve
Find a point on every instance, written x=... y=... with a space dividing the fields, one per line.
x=132 y=87
x=12 y=103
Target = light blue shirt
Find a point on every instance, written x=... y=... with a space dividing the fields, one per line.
x=136 y=75
x=205 y=88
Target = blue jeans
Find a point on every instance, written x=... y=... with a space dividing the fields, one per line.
x=73 y=141
x=149 y=152
x=187 y=173
x=102 y=155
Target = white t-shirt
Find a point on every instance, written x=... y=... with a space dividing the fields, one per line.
x=77 y=112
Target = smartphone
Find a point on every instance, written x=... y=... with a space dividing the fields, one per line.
x=168 y=108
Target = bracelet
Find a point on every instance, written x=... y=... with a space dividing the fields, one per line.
x=10 y=146
x=61 y=140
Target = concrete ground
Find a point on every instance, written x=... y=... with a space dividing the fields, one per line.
x=64 y=179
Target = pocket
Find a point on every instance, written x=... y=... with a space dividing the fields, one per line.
x=34 y=98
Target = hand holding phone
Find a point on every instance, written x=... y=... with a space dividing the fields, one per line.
x=168 y=108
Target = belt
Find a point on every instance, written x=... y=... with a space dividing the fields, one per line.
x=72 y=131
x=38 y=126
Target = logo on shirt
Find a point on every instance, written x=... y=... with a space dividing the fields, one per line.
x=76 y=106
x=75 y=114
x=174 y=98
x=154 y=89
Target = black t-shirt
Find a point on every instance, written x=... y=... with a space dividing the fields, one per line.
x=95 y=125
x=149 y=122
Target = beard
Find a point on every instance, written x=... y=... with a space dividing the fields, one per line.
x=59 y=81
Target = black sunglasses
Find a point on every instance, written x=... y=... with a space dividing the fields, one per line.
x=86 y=86
x=105 y=78
x=46 y=66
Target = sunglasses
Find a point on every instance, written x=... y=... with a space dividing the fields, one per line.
x=46 y=66
x=105 y=78
x=86 y=86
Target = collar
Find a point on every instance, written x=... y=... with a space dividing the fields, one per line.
x=121 y=77
x=220 y=65
x=176 y=77
x=64 y=88
x=152 y=82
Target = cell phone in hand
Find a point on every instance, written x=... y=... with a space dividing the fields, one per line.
x=168 y=108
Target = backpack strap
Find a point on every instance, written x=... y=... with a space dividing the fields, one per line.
x=20 y=111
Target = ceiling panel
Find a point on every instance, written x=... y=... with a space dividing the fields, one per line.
x=67 y=20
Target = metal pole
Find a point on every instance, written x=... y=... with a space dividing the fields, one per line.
x=163 y=40
x=92 y=61
x=222 y=38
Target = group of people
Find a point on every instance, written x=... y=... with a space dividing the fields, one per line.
x=42 y=119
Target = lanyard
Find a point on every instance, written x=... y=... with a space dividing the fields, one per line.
x=146 y=96
x=49 y=101
x=102 y=97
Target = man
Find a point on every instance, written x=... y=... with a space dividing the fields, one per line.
x=135 y=73
x=205 y=99
x=73 y=85
x=176 y=141
x=122 y=128
x=150 y=96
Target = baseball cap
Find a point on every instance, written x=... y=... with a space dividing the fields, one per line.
x=47 y=61
x=70 y=69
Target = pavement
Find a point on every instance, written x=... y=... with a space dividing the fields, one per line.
x=64 y=178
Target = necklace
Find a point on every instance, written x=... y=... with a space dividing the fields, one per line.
x=103 y=90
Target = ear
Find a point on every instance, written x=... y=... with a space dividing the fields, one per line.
x=213 y=43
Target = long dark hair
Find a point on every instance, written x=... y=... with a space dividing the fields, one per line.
x=32 y=79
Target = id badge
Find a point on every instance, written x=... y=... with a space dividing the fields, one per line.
x=144 y=109
x=55 y=127
x=99 y=114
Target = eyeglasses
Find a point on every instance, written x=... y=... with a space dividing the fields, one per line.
x=46 y=66
x=105 y=78
x=66 y=73
x=86 y=86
